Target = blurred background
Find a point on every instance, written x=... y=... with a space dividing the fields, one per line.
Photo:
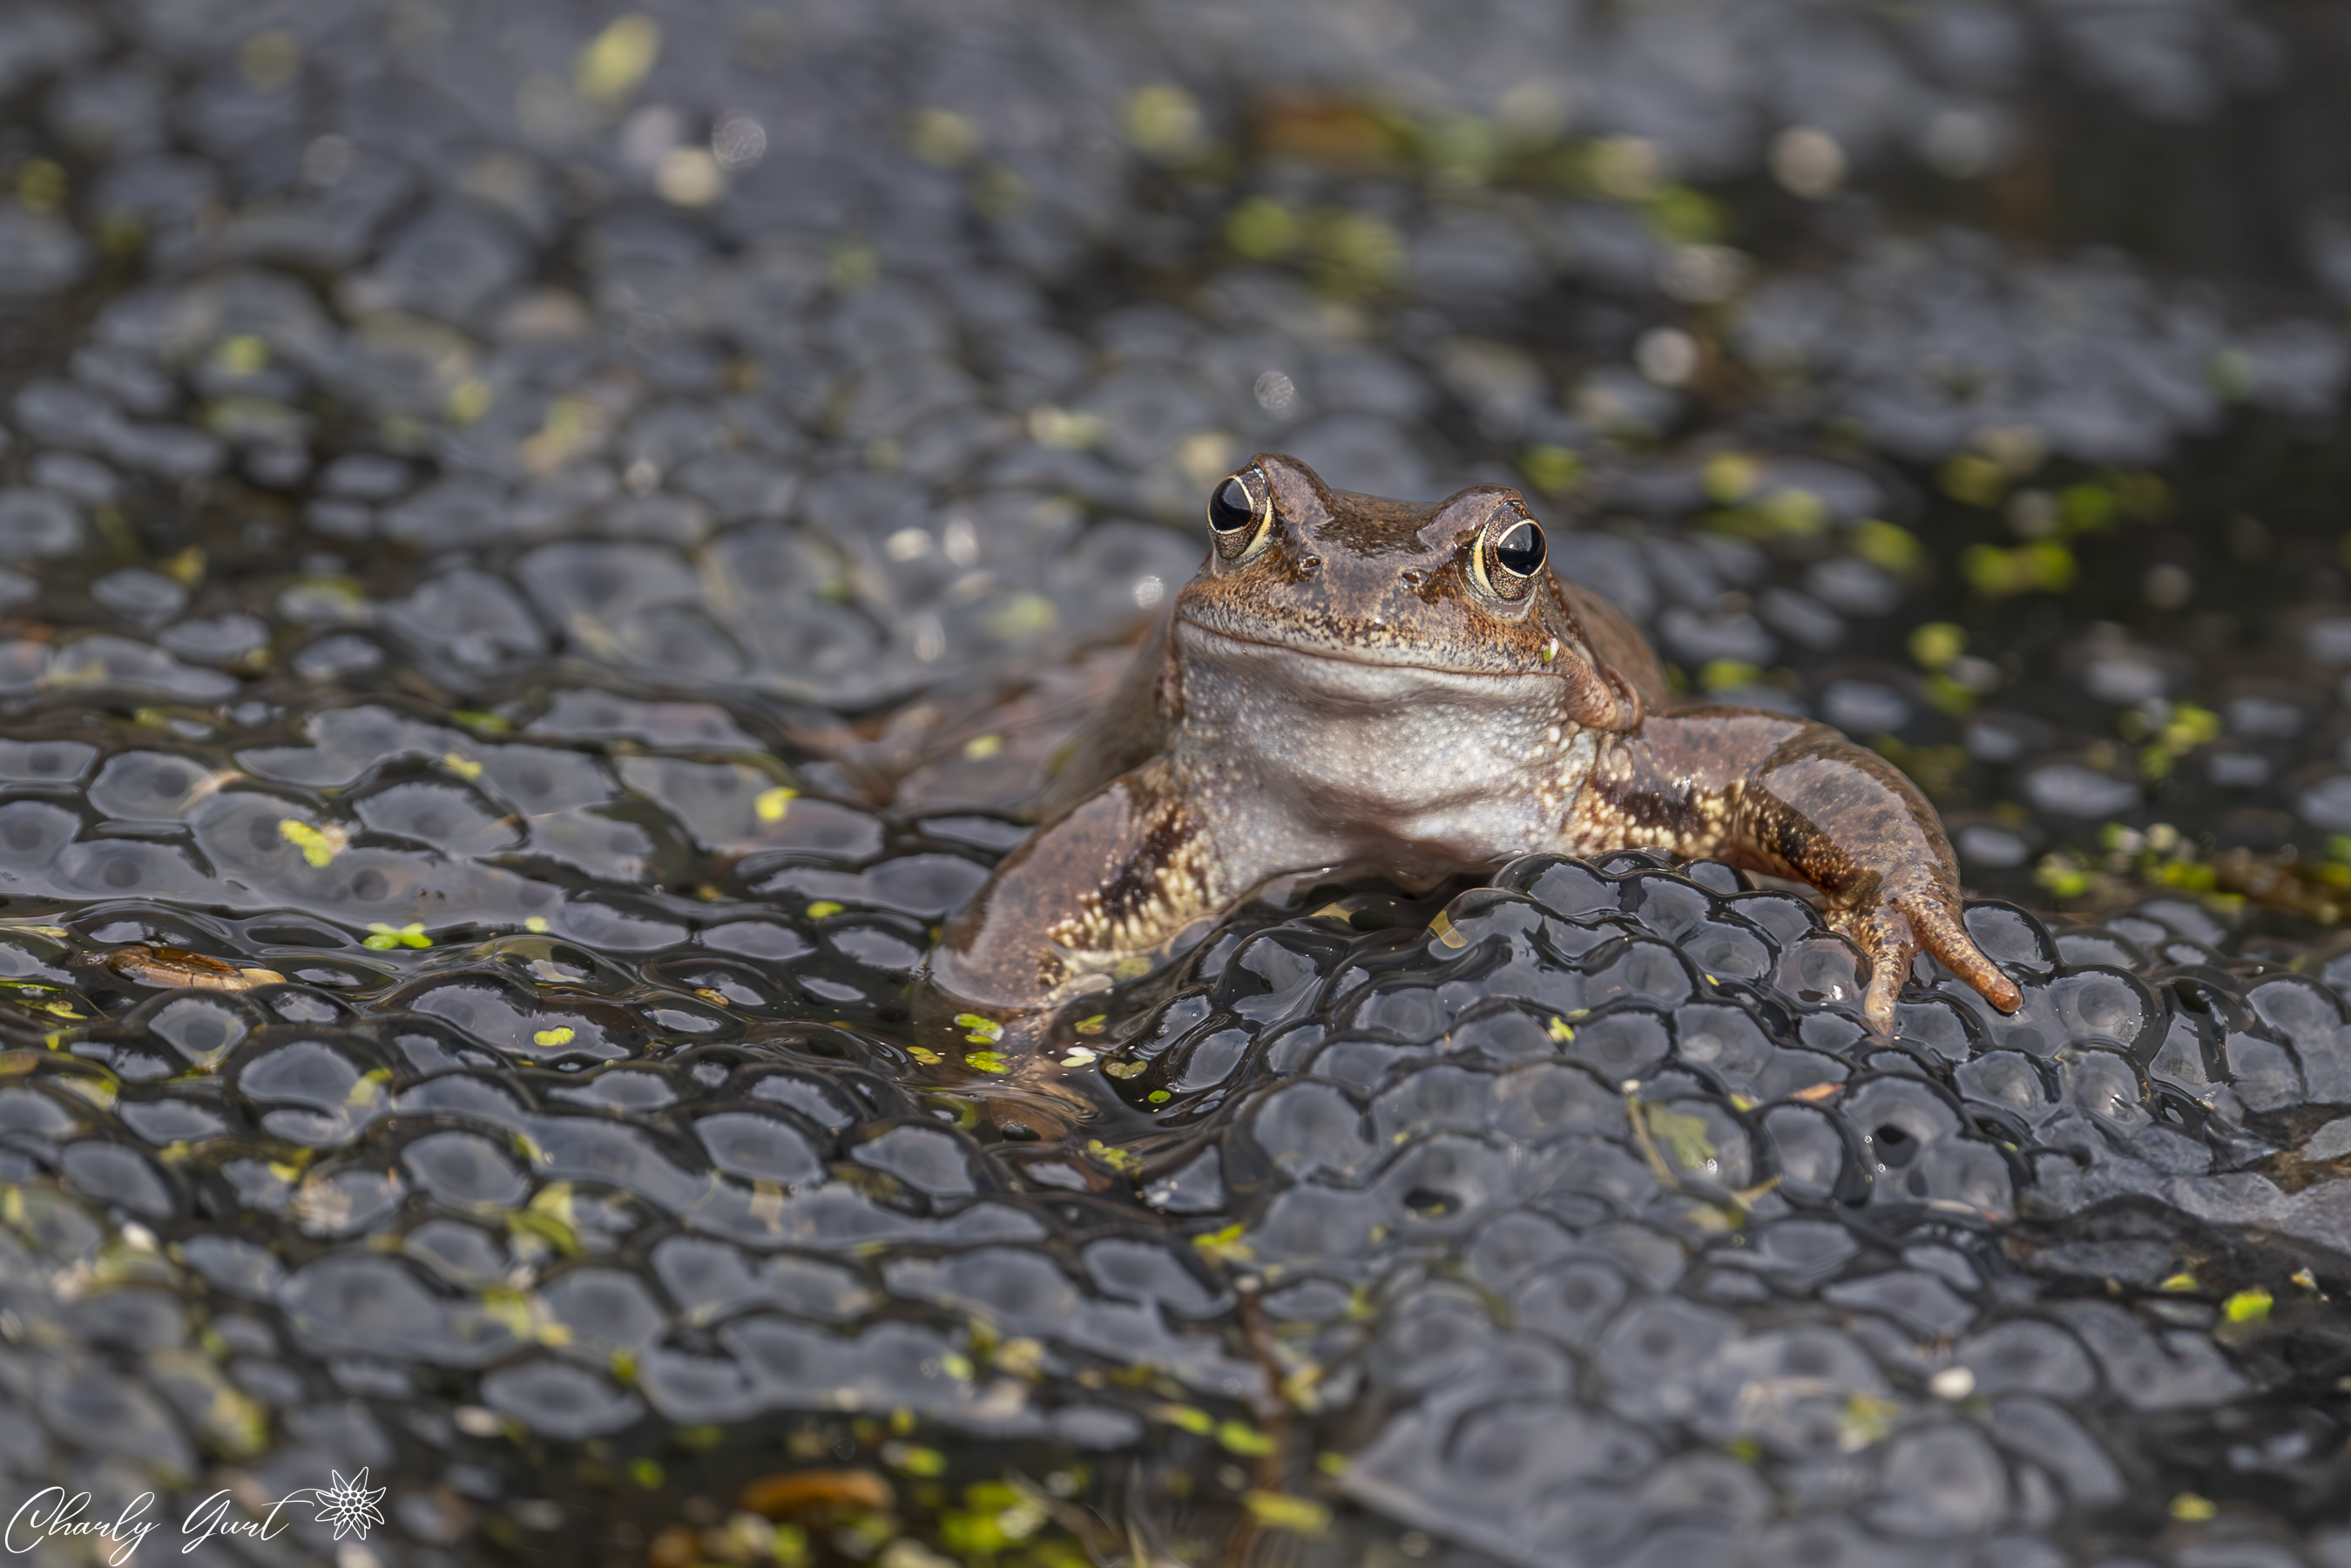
x=448 y=451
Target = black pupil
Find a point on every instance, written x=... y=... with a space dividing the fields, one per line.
x=1520 y=549
x=1229 y=508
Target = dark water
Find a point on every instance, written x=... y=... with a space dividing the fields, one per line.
x=463 y=466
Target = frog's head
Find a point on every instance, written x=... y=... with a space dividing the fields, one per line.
x=1346 y=592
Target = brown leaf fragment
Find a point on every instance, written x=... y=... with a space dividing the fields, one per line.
x=179 y=970
x=795 y=1492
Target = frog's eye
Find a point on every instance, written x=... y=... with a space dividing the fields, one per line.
x=1510 y=553
x=1241 y=511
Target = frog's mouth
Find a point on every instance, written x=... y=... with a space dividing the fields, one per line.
x=1216 y=642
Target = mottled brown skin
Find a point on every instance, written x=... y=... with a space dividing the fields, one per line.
x=1358 y=686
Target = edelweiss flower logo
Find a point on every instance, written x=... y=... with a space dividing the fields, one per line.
x=349 y=1506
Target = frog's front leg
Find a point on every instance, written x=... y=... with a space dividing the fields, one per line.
x=1796 y=800
x=1094 y=898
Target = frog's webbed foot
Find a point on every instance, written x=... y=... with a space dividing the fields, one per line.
x=1898 y=928
x=1036 y=1102
x=1003 y=1067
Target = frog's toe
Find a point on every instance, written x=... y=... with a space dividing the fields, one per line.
x=1884 y=990
x=1941 y=932
x=1885 y=935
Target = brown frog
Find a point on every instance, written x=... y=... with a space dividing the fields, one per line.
x=1361 y=685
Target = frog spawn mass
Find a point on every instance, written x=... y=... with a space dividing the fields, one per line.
x=1581 y=1209
x=441 y=446
x=1597 y=1180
